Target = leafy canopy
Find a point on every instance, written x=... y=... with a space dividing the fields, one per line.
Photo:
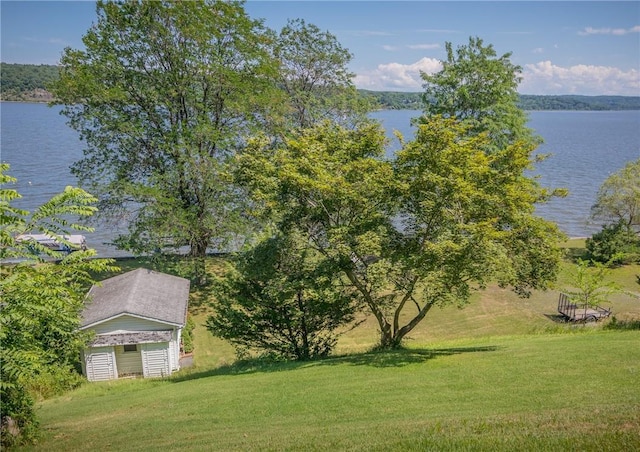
x=618 y=198
x=41 y=300
x=280 y=299
x=479 y=88
x=162 y=95
x=423 y=230
x=165 y=94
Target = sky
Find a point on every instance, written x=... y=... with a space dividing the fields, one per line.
x=573 y=47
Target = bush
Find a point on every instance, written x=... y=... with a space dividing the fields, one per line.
x=53 y=380
x=615 y=244
x=615 y=324
x=18 y=423
x=187 y=336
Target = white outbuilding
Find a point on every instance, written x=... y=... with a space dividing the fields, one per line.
x=137 y=318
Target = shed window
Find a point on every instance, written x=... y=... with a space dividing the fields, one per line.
x=131 y=348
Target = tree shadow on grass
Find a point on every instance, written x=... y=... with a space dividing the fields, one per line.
x=382 y=359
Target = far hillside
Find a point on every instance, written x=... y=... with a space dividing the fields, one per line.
x=26 y=82
x=29 y=82
x=395 y=100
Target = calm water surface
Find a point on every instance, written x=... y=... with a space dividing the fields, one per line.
x=586 y=147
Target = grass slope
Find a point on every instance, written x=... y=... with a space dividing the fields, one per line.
x=556 y=391
x=500 y=374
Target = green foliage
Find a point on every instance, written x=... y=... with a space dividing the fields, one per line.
x=479 y=89
x=18 y=82
x=575 y=102
x=394 y=100
x=397 y=100
x=618 y=205
x=615 y=324
x=615 y=244
x=315 y=78
x=424 y=230
x=187 y=335
x=55 y=379
x=162 y=94
x=589 y=285
x=618 y=198
x=165 y=93
x=21 y=81
x=282 y=300
x=41 y=304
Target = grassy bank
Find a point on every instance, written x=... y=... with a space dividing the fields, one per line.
x=503 y=373
x=547 y=392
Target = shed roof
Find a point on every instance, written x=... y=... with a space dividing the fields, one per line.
x=143 y=337
x=144 y=293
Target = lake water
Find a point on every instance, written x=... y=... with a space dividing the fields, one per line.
x=586 y=147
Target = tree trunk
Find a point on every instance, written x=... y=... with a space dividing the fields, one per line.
x=198 y=253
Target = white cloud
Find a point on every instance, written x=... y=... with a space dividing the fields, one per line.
x=538 y=50
x=390 y=48
x=397 y=76
x=538 y=78
x=546 y=78
x=609 y=31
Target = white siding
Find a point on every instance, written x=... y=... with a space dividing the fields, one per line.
x=128 y=362
x=155 y=360
x=174 y=350
x=100 y=364
x=128 y=324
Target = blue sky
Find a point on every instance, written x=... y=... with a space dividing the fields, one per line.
x=575 y=47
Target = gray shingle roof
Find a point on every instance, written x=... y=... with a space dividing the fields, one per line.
x=140 y=292
x=143 y=337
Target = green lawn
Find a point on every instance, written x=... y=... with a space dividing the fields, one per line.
x=500 y=374
x=545 y=392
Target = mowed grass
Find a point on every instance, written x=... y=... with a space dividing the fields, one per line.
x=501 y=374
x=545 y=392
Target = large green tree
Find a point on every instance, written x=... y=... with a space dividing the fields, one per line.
x=163 y=94
x=617 y=206
x=442 y=219
x=283 y=300
x=315 y=78
x=41 y=301
x=618 y=198
x=479 y=88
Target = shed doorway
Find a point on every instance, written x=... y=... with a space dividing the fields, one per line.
x=128 y=360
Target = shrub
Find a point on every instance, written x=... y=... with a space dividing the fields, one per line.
x=187 y=336
x=53 y=380
x=615 y=244
x=615 y=324
x=19 y=423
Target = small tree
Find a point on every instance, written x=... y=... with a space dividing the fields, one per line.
x=280 y=299
x=589 y=285
x=40 y=302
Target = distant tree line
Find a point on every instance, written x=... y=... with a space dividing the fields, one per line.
x=575 y=102
x=30 y=82
x=396 y=100
x=27 y=81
